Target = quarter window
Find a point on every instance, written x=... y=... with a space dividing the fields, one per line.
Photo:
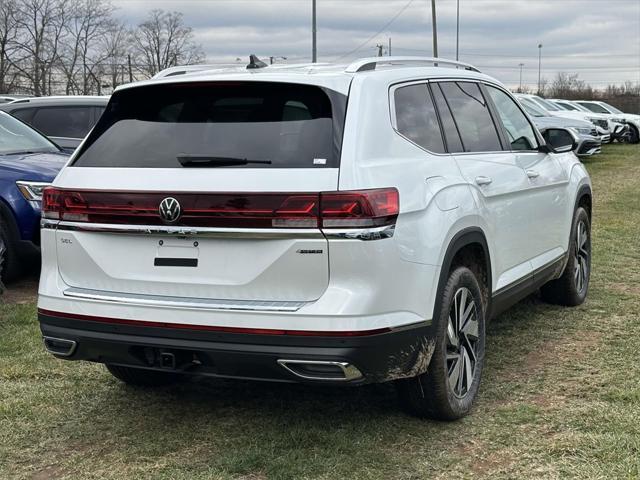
x=519 y=130
x=471 y=114
x=416 y=117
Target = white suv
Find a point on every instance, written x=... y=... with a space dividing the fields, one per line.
x=315 y=223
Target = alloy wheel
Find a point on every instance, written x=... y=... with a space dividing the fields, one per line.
x=581 y=257
x=463 y=337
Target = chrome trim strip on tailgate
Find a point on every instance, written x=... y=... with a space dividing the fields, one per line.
x=183 y=302
x=183 y=231
x=376 y=233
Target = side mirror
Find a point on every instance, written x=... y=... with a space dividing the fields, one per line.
x=560 y=140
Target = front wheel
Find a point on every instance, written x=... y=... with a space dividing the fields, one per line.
x=450 y=385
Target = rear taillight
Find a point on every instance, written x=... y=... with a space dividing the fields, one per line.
x=349 y=209
x=359 y=209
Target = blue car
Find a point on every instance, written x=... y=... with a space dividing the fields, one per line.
x=28 y=163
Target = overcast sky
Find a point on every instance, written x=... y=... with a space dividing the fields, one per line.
x=599 y=39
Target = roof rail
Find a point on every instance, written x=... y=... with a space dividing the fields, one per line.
x=365 y=64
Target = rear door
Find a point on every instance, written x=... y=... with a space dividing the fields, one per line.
x=203 y=191
x=494 y=172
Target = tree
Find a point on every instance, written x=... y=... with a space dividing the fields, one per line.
x=9 y=30
x=42 y=26
x=89 y=23
x=163 y=41
x=115 y=44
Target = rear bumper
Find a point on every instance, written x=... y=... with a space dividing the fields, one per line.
x=368 y=357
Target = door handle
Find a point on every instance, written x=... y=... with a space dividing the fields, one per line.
x=483 y=180
x=532 y=174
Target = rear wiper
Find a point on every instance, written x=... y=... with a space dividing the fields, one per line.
x=196 y=160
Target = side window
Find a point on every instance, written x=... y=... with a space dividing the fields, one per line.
x=24 y=114
x=519 y=130
x=416 y=117
x=71 y=122
x=451 y=134
x=471 y=114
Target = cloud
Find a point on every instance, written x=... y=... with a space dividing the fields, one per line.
x=599 y=40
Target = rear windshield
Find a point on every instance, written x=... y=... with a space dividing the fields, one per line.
x=207 y=125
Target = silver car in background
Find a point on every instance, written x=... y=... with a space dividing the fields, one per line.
x=588 y=141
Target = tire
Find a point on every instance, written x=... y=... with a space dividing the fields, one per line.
x=458 y=354
x=634 y=135
x=572 y=287
x=141 y=377
x=3 y=250
x=10 y=257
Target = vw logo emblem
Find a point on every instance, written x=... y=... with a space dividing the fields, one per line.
x=169 y=210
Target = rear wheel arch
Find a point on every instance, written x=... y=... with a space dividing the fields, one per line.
x=468 y=248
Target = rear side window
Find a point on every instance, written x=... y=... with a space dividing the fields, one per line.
x=416 y=117
x=223 y=124
x=71 y=122
x=471 y=114
x=24 y=114
x=454 y=144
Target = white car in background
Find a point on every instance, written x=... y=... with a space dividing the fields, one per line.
x=588 y=140
x=601 y=123
x=632 y=120
x=327 y=224
x=617 y=125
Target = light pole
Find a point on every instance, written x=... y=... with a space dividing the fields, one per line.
x=521 y=65
x=314 y=45
x=435 y=29
x=539 y=67
x=457 y=29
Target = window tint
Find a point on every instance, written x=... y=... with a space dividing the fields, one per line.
x=519 y=131
x=416 y=117
x=454 y=144
x=72 y=122
x=24 y=114
x=277 y=125
x=471 y=113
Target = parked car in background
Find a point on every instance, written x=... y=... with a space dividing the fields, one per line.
x=335 y=225
x=632 y=120
x=29 y=161
x=601 y=123
x=588 y=140
x=65 y=120
x=617 y=126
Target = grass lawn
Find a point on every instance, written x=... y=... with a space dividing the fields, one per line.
x=560 y=396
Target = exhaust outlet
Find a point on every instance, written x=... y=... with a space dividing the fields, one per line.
x=59 y=346
x=321 y=370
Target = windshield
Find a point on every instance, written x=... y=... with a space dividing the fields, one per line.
x=16 y=137
x=546 y=104
x=580 y=108
x=594 y=107
x=218 y=124
x=610 y=108
x=566 y=106
x=531 y=108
